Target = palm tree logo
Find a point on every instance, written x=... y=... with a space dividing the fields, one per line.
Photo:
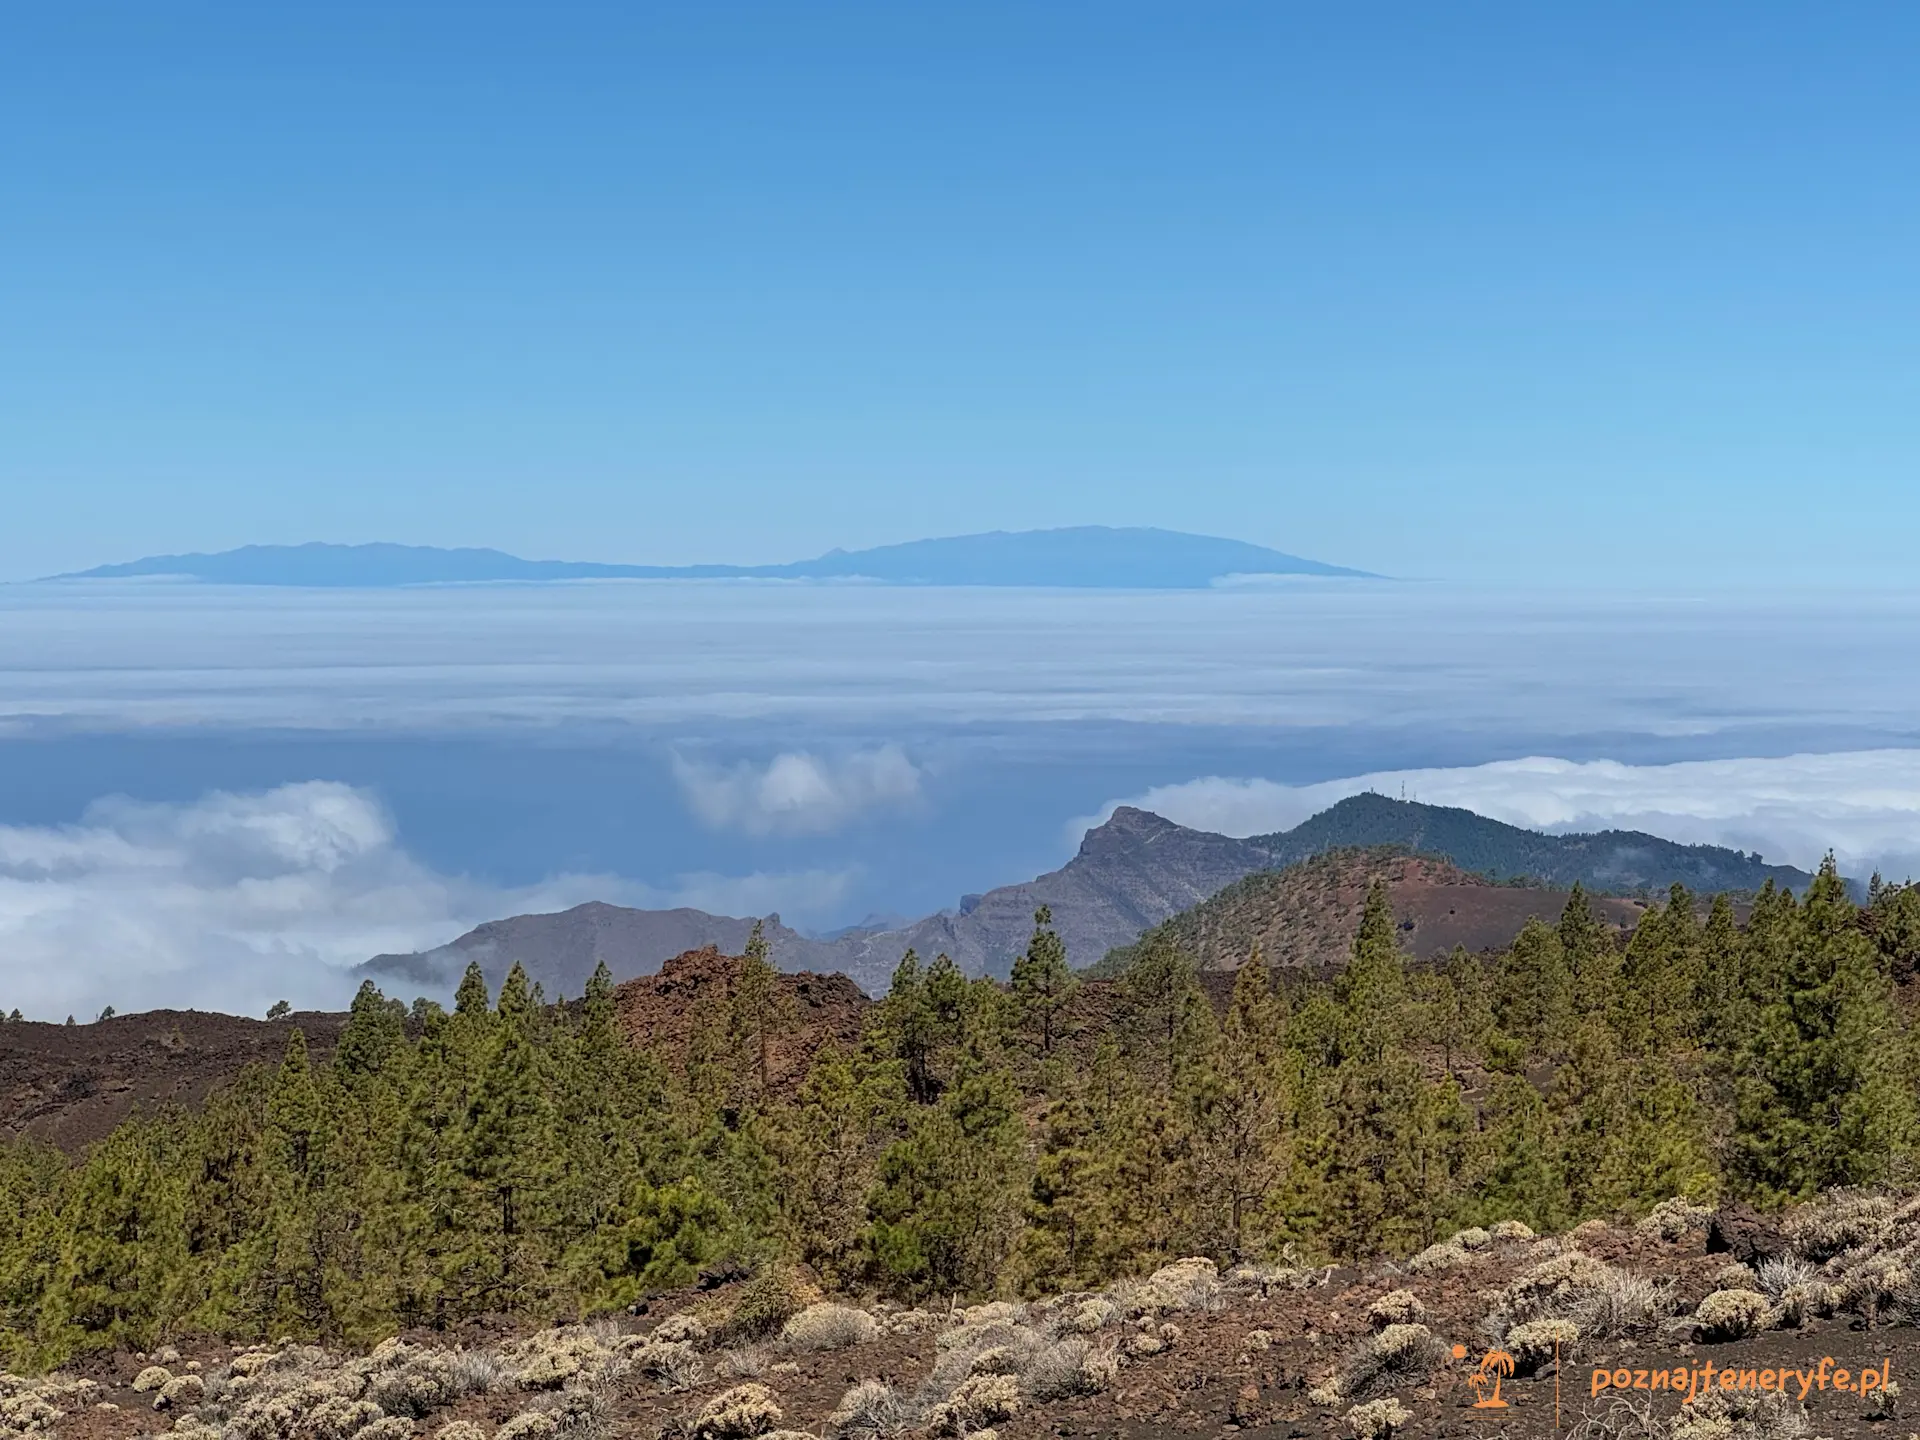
x=1493 y=1365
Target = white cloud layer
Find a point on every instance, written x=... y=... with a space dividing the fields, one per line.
x=798 y=793
x=234 y=901
x=1863 y=805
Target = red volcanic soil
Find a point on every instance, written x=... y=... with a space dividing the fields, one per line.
x=691 y=996
x=71 y=1084
x=1306 y=916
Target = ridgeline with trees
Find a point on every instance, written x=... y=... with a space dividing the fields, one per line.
x=512 y=1157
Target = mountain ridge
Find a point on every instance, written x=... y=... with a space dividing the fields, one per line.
x=1083 y=556
x=1132 y=872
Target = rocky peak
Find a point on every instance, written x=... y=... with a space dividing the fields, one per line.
x=1127 y=827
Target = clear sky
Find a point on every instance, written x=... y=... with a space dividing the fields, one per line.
x=1561 y=292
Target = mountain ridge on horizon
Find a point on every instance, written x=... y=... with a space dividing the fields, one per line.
x=1083 y=556
x=1132 y=872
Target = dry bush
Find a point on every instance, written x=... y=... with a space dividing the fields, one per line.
x=771 y=1298
x=1436 y=1259
x=1882 y=1403
x=747 y=1362
x=151 y=1379
x=967 y=1350
x=1151 y=1340
x=1538 y=1341
x=1396 y=1307
x=1879 y=1287
x=826 y=1326
x=1070 y=1367
x=548 y=1360
x=1674 y=1218
x=1091 y=1315
x=460 y=1430
x=416 y=1388
x=1780 y=1273
x=1513 y=1230
x=1265 y=1279
x=582 y=1412
x=737 y=1414
x=1839 y=1221
x=528 y=1425
x=1190 y=1284
x=993 y=1312
x=871 y=1410
x=1621 y=1418
x=1474 y=1237
x=1398 y=1355
x=671 y=1366
x=977 y=1403
x=1736 y=1277
x=1743 y=1415
x=180 y=1392
x=1569 y=1286
x=1377 y=1419
x=1732 y=1314
x=339 y=1419
x=1621 y=1303
x=686 y=1328
x=394 y=1427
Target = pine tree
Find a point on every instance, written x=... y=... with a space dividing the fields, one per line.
x=506 y=1159
x=1157 y=992
x=1372 y=990
x=946 y=1205
x=759 y=1011
x=375 y=1030
x=1533 y=993
x=1821 y=1098
x=1238 y=1155
x=1524 y=1180
x=1589 y=954
x=828 y=1146
x=1041 y=983
x=1063 y=1206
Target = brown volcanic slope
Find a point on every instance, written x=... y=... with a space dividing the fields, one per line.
x=71 y=1084
x=1307 y=915
x=666 y=1012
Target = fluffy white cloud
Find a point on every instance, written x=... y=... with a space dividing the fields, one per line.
x=234 y=901
x=797 y=793
x=1863 y=805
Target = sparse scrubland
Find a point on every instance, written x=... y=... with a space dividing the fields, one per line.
x=1176 y=1203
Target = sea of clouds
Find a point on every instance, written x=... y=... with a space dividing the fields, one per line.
x=1784 y=724
x=233 y=901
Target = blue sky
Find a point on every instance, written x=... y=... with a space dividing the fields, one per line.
x=1561 y=293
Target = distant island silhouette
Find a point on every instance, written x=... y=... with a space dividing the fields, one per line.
x=1079 y=557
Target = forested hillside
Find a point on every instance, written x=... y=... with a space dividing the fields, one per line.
x=1623 y=862
x=968 y=1138
x=1306 y=916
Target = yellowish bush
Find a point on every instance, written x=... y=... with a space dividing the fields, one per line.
x=978 y=1402
x=1732 y=1314
x=826 y=1326
x=1377 y=1419
x=737 y=1414
x=1396 y=1307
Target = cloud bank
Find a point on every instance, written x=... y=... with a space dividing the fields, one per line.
x=234 y=901
x=1863 y=805
x=798 y=793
